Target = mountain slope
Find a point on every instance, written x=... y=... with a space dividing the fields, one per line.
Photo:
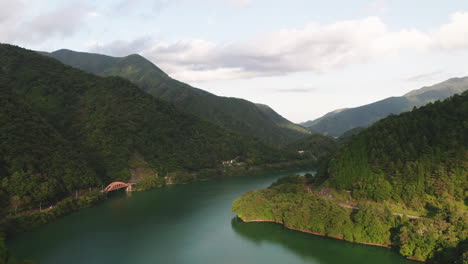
x=64 y=129
x=315 y=147
x=405 y=157
x=419 y=160
x=310 y=123
x=337 y=122
x=234 y=114
x=400 y=183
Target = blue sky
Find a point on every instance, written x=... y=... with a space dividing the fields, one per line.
x=302 y=57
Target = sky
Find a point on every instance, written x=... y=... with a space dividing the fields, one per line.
x=303 y=58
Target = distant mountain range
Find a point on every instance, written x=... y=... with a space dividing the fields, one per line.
x=339 y=121
x=234 y=114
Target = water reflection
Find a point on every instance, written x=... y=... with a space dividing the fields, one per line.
x=314 y=249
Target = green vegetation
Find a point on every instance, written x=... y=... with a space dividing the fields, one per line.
x=315 y=147
x=234 y=114
x=338 y=122
x=150 y=182
x=290 y=202
x=414 y=162
x=3 y=251
x=13 y=223
x=64 y=130
x=350 y=133
x=417 y=157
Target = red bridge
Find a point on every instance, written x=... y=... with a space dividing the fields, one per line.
x=118 y=185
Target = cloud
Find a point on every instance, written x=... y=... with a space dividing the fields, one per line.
x=11 y=9
x=315 y=47
x=453 y=36
x=60 y=22
x=10 y=15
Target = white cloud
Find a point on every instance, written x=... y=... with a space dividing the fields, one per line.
x=10 y=15
x=315 y=47
x=11 y=9
x=454 y=35
x=60 y=22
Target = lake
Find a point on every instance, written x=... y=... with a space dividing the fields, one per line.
x=190 y=223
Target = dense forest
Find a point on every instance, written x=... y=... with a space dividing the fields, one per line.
x=315 y=147
x=442 y=238
x=415 y=162
x=413 y=157
x=65 y=130
x=234 y=114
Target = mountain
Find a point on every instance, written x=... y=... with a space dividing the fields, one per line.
x=237 y=115
x=339 y=121
x=63 y=130
x=399 y=183
x=314 y=147
x=419 y=160
x=279 y=120
x=405 y=157
x=310 y=123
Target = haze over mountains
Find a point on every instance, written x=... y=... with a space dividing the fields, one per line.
x=235 y=114
x=340 y=121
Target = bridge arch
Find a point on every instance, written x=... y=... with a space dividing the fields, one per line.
x=118 y=185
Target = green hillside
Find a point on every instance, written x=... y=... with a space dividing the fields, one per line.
x=409 y=156
x=415 y=162
x=314 y=147
x=400 y=183
x=338 y=122
x=237 y=115
x=64 y=130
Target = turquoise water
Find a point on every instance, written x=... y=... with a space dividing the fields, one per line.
x=190 y=223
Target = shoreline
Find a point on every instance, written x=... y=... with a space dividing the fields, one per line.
x=31 y=219
x=321 y=234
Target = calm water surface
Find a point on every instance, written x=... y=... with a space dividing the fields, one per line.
x=184 y=224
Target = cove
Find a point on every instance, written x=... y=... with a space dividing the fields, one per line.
x=190 y=223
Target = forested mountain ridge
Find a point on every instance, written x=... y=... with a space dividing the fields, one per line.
x=235 y=114
x=404 y=157
x=400 y=183
x=338 y=122
x=64 y=129
x=315 y=147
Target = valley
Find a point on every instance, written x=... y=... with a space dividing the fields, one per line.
x=114 y=156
